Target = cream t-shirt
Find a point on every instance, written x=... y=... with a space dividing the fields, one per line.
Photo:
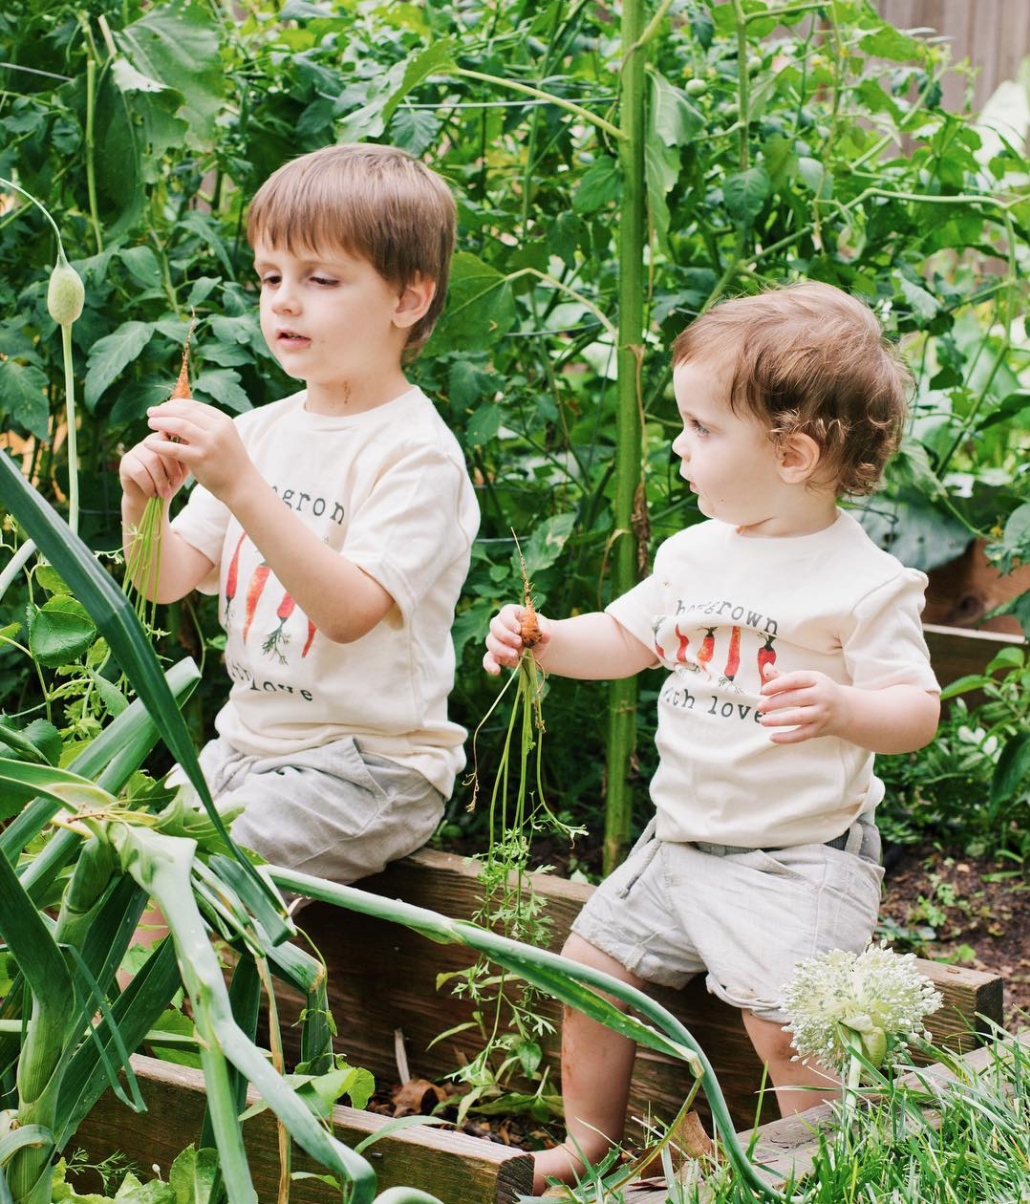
x=720 y=606
x=389 y=490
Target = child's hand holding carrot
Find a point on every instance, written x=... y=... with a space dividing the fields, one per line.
x=145 y=474
x=206 y=443
x=511 y=631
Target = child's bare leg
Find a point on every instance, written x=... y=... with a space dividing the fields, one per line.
x=774 y=1048
x=596 y=1067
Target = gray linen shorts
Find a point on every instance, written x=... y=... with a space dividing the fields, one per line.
x=333 y=811
x=744 y=917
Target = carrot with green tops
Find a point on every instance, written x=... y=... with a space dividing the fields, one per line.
x=311 y=636
x=254 y=590
x=766 y=659
x=143 y=564
x=279 y=636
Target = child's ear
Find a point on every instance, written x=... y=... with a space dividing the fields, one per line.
x=413 y=302
x=798 y=457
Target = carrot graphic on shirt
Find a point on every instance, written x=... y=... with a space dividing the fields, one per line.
x=232 y=578
x=681 y=651
x=278 y=637
x=707 y=650
x=766 y=659
x=654 y=636
x=733 y=656
x=311 y=635
x=257 y=584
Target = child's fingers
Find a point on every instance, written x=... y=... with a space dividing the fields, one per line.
x=181 y=428
x=804 y=731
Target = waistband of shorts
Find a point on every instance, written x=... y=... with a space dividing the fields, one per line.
x=728 y=850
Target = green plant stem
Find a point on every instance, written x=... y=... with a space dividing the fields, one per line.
x=743 y=82
x=15 y=565
x=528 y=90
x=72 y=425
x=629 y=497
x=91 y=175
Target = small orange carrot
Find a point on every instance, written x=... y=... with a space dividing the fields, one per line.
x=182 y=385
x=529 y=626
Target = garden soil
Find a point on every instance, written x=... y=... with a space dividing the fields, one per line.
x=973 y=911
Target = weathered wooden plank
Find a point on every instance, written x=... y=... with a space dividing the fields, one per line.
x=955 y=652
x=451 y=1166
x=382 y=977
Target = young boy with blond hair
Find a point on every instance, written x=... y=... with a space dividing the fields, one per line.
x=335 y=525
x=793 y=652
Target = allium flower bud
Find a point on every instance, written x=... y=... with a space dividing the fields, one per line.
x=877 y=997
x=66 y=293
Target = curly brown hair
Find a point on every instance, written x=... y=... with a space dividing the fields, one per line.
x=810 y=359
x=377 y=202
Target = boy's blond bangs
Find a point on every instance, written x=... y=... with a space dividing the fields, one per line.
x=375 y=202
x=810 y=359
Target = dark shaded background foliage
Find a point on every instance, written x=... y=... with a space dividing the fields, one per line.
x=810 y=142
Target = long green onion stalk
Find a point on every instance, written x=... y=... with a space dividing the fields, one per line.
x=65 y=298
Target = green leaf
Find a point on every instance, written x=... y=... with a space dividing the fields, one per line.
x=815 y=177
x=60 y=631
x=143 y=266
x=40 y=742
x=193 y=1174
x=661 y=171
x=480 y=308
x=781 y=161
x=545 y=544
x=370 y=120
x=890 y=43
x=745 y=193
x=600 y=184
x=51 y=580
x=923 y=304
x=1014 y=403
x=222 y=385
x=1015 y=541
x=109 y=356
x=23 y=395
x=673 y=118
x=113 y=699
x=484 y=424
x=177 y=44
x=1011 y=770
x=414 y=130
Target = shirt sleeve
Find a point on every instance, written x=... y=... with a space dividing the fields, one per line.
x=637 y=609
x=202 y=523
x=419 y=517
x=885 y=646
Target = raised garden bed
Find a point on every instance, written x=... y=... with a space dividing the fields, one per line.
x=383 y=978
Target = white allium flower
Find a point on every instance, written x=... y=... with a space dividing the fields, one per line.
x=878 y=995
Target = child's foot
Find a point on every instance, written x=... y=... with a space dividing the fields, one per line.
x=562 y=1162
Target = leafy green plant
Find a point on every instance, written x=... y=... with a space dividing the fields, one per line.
x=778 y=140
x=971 y=787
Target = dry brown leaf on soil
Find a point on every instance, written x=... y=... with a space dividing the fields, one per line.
x=418 y=1096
